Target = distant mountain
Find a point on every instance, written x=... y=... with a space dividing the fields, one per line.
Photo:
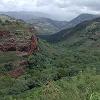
x=81 y=18
x=41 y=21
x=25 y=15
x=46 y=25
x=49 y=26
x=83 y=32
x=4 y=18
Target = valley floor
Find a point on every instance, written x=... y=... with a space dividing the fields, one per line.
x=54 y=73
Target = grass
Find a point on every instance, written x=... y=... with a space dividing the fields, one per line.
x=6 y=57
x=82 y=87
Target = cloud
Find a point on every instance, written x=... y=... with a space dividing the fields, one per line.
x=59 y=9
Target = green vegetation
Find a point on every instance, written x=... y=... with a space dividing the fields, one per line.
x=8 y=56
x=84 y=86
x=69 y=70
x=62 y=74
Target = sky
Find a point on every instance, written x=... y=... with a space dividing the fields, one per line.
x=62 y=9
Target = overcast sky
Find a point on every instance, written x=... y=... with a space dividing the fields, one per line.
x=62 y=9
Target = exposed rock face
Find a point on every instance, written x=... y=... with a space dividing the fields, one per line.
x=10 y=43
x=7 y=41
x=8 y=47
x=23 y=48
x=23 y=43
x=4 y=33
x=29 y=47
x=33 y=44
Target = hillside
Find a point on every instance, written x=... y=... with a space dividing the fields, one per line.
x=33 y=69
x=41 y=21
x=16 y=39
x=86 y=34
x=47 y=26
x=84 y=29
x=81 y=18
x=22 y=55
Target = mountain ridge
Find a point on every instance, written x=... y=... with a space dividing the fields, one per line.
x=64 y=34
x=46 y=25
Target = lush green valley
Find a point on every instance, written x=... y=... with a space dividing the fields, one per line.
x=56 y=74
x=66 y=70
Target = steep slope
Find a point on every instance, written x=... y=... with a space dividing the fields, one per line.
x=17 y=39
x=45 y=25
x=81 y=18
x=87 y=28
x=41 y=21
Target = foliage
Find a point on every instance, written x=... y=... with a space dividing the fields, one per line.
x=65 y=71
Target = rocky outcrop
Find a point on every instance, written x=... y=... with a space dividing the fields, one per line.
x=8 y=47
x=10 y=43
x=7 y=41
x=28 y=47
x=33 y=44
x=4 y=33
x=22 y=44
